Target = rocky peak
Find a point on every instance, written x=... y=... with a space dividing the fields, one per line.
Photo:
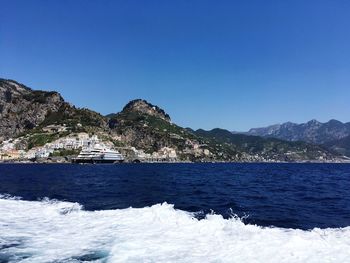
x=11 y=90
x=312 y=131
x=145 y=107
x=9 y=83
x=22 y=108
x=334 y=122
x=314 y=122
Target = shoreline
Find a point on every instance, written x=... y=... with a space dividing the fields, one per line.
x=185 y=162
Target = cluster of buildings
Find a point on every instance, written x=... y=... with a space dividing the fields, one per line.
x=196 y=149
x=165 y=154
x=9 y=150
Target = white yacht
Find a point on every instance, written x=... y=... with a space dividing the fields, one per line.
x=98 y=154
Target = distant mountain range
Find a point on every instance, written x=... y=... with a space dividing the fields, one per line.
x=25 y=114
x=312 y=131
x=334 y=134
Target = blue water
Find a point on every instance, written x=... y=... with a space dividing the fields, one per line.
x=284 y=195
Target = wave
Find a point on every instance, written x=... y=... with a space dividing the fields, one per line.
x=57 y=231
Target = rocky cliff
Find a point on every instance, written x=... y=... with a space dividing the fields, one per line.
x=144 y=107
x=22 y=108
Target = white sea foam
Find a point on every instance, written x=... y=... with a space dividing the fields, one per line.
x=54 y=231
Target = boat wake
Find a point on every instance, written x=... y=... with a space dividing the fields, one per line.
x=56 y=231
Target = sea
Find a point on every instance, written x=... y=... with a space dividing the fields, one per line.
x=201 y=212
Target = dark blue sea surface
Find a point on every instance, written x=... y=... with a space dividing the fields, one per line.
x=284 y=195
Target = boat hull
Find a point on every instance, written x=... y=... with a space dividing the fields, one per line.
x=95 y=161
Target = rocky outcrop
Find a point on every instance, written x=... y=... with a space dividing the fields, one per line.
x=144 y=107
x=22 y=108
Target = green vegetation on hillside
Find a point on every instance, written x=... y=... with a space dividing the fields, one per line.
x=41 y=139
x=65 y=152
x=341 y=146
x=72 y=116
x=266 y=147
x=151 y=133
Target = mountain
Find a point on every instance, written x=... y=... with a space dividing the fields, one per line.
x=145 y=126
x=312 y=131
x=34 y=118
x=268 y=148
x=23 y=109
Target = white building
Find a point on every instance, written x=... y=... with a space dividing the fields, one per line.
x=43 y=153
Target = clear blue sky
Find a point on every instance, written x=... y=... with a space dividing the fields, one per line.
x=229 y=64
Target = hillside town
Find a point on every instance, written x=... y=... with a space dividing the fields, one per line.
x=63 y=149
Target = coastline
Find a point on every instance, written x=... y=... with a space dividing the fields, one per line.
x=180 y=162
